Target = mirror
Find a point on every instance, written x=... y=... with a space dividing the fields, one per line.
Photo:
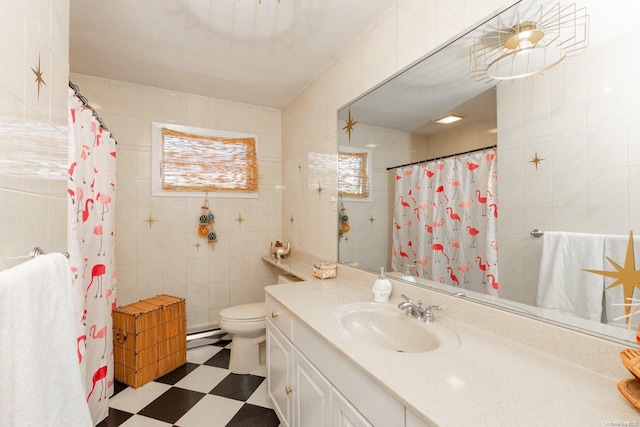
x=566 y=141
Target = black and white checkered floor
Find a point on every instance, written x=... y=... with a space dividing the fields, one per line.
x=201 y=393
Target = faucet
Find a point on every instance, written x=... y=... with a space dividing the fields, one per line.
x=421 y=313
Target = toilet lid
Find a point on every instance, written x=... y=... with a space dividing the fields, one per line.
x=244 y=312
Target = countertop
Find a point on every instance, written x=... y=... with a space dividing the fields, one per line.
x=486 y=380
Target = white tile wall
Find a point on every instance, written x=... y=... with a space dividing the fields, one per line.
x=584 y=130
x=33 y=130
x=163 y=258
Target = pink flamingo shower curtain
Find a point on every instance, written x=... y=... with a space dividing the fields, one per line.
x=445 y=221
x=91 y=212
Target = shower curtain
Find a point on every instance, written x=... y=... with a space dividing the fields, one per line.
x=91 y=213
x=445 y=221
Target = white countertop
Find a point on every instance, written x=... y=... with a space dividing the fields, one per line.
x=487 y=380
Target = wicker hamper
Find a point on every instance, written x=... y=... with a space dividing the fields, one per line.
x=149 y=339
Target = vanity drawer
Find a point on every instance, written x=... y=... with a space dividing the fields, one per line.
x=279 y=316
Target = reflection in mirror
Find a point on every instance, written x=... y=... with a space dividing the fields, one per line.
x=566 y=146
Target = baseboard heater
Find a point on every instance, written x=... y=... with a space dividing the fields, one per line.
x=211 y=333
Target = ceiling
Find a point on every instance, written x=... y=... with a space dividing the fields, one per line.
x=260 y=52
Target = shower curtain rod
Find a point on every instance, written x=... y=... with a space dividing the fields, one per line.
x=85 y=102
x=444 y=157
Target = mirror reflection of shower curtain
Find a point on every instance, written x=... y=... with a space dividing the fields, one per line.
x=445 y=220
x=91 y=215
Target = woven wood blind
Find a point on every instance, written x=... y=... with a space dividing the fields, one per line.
x=208 y=163
x=353 y=179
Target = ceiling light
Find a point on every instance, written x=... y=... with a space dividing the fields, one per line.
x=449 y=118
x=534 y=43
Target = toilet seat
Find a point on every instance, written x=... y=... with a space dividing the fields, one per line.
x=245 y=313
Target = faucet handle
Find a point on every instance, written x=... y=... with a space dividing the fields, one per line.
x=405 y=297
x=435 y=307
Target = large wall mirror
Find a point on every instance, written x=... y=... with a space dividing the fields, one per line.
x=568 y=149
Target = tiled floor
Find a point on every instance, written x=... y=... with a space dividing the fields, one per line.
x=201 y=393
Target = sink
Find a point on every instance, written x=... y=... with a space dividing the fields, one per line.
x=386 y=326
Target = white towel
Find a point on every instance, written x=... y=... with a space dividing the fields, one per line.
x=40 y=380
x=562 y=283
x=615 y=248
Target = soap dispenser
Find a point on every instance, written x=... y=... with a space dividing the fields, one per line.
x=407 y=274
x=381 y=288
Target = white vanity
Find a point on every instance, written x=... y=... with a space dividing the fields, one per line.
x=505 y=370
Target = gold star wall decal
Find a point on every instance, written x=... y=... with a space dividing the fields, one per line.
x=151 y=220
x=319 y=190
x=39 y=79
x=626 y=276
x=536 y=160
x=291 y=219
x=371 y=219
x=240 y=219
x=349 y=126
x=197 y=245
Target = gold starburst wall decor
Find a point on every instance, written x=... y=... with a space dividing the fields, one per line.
x=151 y=220
x=348 y=127
x=626 y=276
x=39 y=76
x=536 y=160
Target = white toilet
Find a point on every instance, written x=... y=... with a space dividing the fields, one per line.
x=246 y=323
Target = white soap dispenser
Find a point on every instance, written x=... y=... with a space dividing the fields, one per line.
x=381 y=288
x=407 y=274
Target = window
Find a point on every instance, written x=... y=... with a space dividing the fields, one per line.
x=195 y=160
x=354 y=170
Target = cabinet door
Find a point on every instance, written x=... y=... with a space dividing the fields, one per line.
x=344 y=414
x=312 y=394
x=279 y=365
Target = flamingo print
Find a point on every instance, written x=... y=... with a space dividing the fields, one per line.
x=85 y=212
x=82 y=338
x=437 y=247
x=99 y=375
x=472 y=167
x=98 y=232
x=454 y=217
x=98 y=271
x=102 y=333
x=453 y=277
x=430 y=174
x=456 y=184
x=440 y=190
x=465 y=205
x=402 y=253
x=483 y=202
x=494 y=209
x=104 y=200
x=494 y=284
x=473 y=232
x=465 y=269
x=456 y=248
x=483 y=267
x=410 y=244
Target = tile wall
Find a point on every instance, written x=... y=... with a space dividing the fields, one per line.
x=583 y=119
x=162 y=255
x=34 y=37
x=405 y=33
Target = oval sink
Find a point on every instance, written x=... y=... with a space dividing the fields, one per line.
x=386 y=326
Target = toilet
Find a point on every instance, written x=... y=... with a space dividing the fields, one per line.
x=246 y=322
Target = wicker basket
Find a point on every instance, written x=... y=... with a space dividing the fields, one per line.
x=150 y=339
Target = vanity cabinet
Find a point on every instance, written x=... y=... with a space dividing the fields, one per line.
x=308 y=391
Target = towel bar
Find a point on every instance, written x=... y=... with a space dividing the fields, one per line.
x=536 y=232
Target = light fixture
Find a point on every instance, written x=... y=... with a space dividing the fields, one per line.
x=535 y=42
x=449 y=118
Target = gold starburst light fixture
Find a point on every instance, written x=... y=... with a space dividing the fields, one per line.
x=535 y=42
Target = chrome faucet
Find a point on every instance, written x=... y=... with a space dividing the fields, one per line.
x=421 y=313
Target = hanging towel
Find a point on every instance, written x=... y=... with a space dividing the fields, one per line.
x=40 y=380
x=615 y=248
x=563 y=284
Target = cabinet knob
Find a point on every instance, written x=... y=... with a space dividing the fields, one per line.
x=288 y=389
x=274 y=314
